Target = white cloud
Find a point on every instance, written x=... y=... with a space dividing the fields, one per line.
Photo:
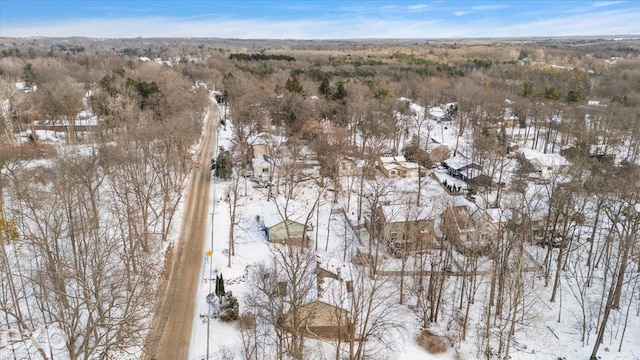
x=488 y=7
x=418 y=7
x=613 y=22
x=477 y=8
x=599 y=4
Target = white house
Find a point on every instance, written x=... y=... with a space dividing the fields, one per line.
x=261 y=167
x=545 y=164
x=398 y=166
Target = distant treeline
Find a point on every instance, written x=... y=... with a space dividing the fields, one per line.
x=260 y=57
x=31 y=52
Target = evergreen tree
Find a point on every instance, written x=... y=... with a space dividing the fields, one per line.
x=325 y=88
x=527 y=89
x=552 y=93
x=219 y=291
x=28 y=76
x=229 y=308
x=294 y=85
x=577 y=95
x=223 y=165
x=340 y=93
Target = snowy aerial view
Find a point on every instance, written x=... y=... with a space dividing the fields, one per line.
x=293 y=180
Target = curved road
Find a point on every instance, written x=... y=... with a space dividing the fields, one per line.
x=171 y=329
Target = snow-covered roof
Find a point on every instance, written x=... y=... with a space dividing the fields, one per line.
x=400 y=213
x=306 y=151
x=436 y=112
x=462 y=208
x=275 y=211
x=403 y=164
x=357 y=161
x=509 y=115
x=417 y=109
x=549 y=160
x=334 y=266
x=498 y=215
x=258 y=139
x=334 y=292
x=392 y=159
x=458 y=162
x=263 y=160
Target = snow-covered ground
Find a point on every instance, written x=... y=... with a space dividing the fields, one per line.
x=545 y=330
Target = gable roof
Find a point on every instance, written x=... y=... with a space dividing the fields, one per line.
x=275 y=211
x=437 y=112
x=550 y=160
x=393 y=162
x=400 y=213
x=320 y=313
x=260 y=161
x=392 y=159
x=458 y=162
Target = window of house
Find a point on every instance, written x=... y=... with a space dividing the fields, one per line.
x=393 y=172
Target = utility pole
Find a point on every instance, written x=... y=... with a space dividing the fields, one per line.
x=213 y=210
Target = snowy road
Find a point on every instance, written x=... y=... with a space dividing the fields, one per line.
x=171 y=330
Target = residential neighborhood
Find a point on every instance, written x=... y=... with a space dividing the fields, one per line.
x=335 y=197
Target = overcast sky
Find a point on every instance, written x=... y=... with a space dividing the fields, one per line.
x=318 y=19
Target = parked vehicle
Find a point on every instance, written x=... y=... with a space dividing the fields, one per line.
x=261 y=184
x=555 y=242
